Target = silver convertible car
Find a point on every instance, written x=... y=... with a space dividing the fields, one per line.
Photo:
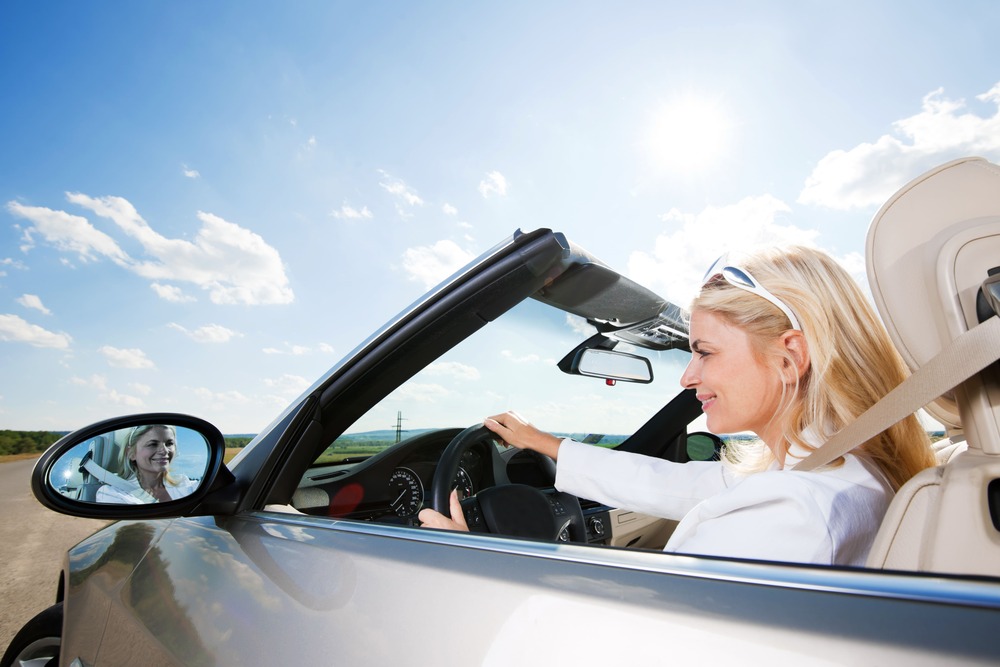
x=305 y=548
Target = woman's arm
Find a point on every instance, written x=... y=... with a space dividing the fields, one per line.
x=514 y=430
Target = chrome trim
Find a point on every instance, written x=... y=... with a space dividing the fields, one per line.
x=922 y=587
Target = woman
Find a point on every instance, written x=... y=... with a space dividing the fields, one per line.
x=144 y=466
x=784 y=344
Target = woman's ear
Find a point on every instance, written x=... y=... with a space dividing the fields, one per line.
x=798 y=351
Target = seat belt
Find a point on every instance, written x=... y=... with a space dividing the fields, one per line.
x=107 y=477
x=968 y=354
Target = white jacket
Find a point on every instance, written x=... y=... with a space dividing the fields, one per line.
x=829 y=516
x=138 y=496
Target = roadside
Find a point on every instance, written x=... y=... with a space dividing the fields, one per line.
x=33 y=542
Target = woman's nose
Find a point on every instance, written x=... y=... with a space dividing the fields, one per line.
x=689 y=378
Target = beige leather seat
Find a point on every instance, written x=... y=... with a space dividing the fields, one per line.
x=928 y=251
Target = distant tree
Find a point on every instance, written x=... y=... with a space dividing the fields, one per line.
x=26 y=442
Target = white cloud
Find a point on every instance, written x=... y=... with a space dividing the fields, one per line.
x=210 y=333
x=171 y=293
x=680 y=256
x=113 y=396
x=432 y=264
x=868 y=174
x=218 y=399
x=401 y=190
x=293 y=349
x=288 y=385
x=350 y=213
x=33 y=301
x=13 y=263
x=14 y=329
x=448 y=209
x=190 y=173
x=523 y=359
x=235 y=265
x=453 y=369
x=493 y=184
x=140 y=388
x=419 y=393
x=123 y=399
x=126 y=357
x=95 y=381
x=69 y=233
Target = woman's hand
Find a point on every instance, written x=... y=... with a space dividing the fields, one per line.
x=433 y=519
x=515 y=431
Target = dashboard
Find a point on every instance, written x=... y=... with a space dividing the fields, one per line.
x=395 y=484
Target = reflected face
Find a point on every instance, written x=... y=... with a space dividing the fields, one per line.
x=737 y=391
x=153 y=451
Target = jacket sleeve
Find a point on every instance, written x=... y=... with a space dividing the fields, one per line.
x=769 y=516
x=636 y=482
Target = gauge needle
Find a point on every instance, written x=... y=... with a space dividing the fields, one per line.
x=398 y=498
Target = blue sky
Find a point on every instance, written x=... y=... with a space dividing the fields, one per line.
x=203 y=206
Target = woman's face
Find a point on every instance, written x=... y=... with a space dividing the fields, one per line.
x=737 y=391
x=153 y=451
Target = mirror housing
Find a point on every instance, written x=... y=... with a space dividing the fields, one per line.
x=68 y=477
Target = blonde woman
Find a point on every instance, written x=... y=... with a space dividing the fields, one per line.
x=144 y=467
x=784 y=344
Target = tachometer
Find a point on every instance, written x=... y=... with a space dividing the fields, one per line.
x=406 y=492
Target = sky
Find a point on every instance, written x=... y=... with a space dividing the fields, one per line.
x=205 y=205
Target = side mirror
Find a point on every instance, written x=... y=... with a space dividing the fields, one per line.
x=612 y=365
x=702 y=446
x=144 y=465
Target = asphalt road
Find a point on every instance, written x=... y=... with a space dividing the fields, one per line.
x=33 y=541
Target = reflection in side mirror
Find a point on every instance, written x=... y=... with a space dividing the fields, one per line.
x=612 y=365
x=703 y=446
x=148 y=463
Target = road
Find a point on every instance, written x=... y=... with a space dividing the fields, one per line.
x=33 y=541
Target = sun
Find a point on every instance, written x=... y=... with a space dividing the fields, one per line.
x=689 y=134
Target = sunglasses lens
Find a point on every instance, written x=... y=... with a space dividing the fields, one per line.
x=738 y=277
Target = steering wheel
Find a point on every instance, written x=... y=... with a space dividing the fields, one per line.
x=508 y=509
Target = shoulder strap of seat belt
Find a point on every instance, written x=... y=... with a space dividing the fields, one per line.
x=968 y=354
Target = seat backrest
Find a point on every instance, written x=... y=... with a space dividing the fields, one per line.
x=104 y=450
x=928 y=251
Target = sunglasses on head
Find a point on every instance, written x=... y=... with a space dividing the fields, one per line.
x=741 y=278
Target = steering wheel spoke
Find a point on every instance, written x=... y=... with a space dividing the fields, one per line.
x=517 y=510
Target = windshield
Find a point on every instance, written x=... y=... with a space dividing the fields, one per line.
x=511 y=365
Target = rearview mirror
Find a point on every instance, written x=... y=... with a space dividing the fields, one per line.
x=612 y=365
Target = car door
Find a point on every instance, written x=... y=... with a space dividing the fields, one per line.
x=275 y=588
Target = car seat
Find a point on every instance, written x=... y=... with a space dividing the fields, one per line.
x=928 y=252
x=99 y=466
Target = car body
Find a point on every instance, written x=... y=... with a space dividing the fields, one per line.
x=302 y=551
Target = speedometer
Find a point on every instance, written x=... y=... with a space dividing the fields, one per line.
x=406 y=493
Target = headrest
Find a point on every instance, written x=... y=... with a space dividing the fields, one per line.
x=929 y=249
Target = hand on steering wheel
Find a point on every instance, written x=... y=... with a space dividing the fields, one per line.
x=430 y=518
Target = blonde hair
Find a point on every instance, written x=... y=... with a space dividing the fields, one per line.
x=853 y=363
x=126 y=466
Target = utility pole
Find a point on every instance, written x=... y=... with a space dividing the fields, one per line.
x=399 y=425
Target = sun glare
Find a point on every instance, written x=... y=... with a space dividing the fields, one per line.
x=688 y=134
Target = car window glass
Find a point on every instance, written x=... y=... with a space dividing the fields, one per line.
x=511 y=364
